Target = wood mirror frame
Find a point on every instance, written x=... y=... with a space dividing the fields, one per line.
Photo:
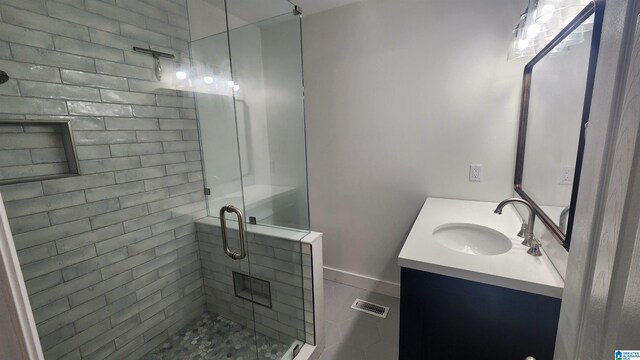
x=595 y=8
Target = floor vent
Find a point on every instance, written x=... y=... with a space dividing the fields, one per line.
x=370 y=308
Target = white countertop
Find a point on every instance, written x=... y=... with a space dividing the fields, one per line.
x=514 y=269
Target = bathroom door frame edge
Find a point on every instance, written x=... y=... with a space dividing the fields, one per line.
x=601 y=257
x=21 y=337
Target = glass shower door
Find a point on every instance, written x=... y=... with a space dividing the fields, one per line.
x=247 y=79
x=266 y=60
x=225 y=255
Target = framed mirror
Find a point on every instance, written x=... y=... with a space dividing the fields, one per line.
x=556 y=99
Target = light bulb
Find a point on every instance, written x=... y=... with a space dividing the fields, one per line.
x=533 y=30
x=208 y=79
x=547 y=13
x=522 y=44
x=230 y=83
x=236 y=87
x=181 y=75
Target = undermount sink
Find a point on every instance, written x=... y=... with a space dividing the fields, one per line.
x=472 y=239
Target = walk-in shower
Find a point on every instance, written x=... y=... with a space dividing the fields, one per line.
x=183 y=230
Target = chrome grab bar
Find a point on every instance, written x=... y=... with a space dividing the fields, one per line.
x=235 y=255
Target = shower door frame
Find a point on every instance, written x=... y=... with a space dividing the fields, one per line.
x=244 y=166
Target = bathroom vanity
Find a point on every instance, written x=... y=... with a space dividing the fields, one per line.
x=470 y=290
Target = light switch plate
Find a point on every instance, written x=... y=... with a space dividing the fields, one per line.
x=475 y=172
x=566 y=175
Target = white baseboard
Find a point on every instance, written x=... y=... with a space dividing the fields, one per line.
x=362 y=282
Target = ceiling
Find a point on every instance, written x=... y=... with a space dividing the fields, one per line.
x=252 y=11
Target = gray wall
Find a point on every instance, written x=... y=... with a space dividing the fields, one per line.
x=400 y=100
x=109 y=258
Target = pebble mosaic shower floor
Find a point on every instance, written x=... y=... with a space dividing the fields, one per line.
x=214 y=337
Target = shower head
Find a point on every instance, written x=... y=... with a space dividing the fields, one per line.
x=3 y=77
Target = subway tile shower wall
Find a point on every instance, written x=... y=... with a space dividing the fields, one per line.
x=283 y=263
x=110 y=258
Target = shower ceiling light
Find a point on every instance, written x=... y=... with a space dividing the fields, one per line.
x=233 y=85
x=181 y=75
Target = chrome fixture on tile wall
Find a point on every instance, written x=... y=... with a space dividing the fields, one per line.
x=3 y=77
x=156 y=56
x=542 y=21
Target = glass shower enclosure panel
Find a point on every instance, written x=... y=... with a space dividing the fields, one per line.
x=268 y=90
x=249 y=93
x=210 y=74
x=266 y=61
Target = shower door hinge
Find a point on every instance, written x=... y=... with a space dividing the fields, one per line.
x=297 y=10
x=207 y=191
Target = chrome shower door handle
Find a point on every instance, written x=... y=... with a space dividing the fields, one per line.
x=235 y=255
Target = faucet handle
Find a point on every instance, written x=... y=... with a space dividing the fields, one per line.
x=530 y=240
x=535 y=249
x=523 y=230
x=534 y=246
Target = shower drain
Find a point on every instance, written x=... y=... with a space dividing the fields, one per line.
x=370 y=308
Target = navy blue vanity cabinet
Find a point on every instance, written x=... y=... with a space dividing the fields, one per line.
x=442 y=317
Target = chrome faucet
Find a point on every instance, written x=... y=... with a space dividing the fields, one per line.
x=529 y=239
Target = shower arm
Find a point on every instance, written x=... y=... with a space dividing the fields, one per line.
x=4 y=77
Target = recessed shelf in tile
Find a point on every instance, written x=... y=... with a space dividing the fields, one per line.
x=32 y=151
x=253 y=289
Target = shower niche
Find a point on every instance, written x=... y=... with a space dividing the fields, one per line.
x=34 y=151
x=253 y=289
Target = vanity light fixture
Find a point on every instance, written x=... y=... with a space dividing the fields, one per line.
x=521 y=45
x=564 y=10
x=533 y=30
x=544 y=14
x=541 y=22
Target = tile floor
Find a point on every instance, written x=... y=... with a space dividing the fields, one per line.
x=354 y=335
x=351 y=334
x=215 y=337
